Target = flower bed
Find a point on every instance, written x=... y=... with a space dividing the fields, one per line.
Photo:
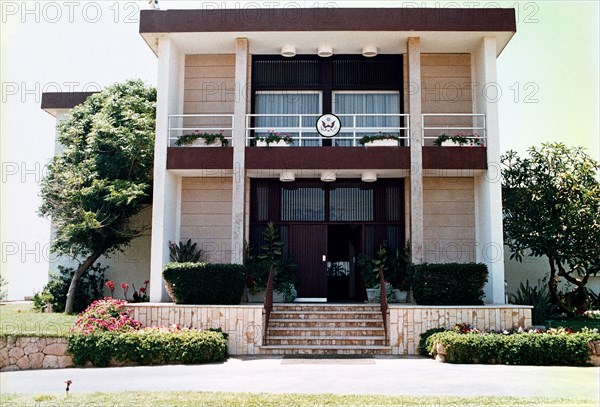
x=105 y=333
x=465 y=344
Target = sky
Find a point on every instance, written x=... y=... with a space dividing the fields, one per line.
x=548 y=76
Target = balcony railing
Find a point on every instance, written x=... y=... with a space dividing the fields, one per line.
x=184 y=124
x=301 y=128
x=467 y=126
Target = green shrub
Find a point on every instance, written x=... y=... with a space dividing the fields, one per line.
x=89 y=289
x=555 y=347
x=539 y=297
x=448 y=283
x=149 y=346
x=185 y=252
x=423 y=344
x=203 y=283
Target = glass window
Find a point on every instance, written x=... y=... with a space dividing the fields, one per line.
x=289 y=104
x=351 y=204
x=303 y=203
x=365 y=103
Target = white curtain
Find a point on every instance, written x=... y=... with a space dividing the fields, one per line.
x=367 y=103
x=291 y=103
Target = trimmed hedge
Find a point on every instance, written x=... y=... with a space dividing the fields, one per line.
x=541 y=349
x=203 y=283
x=151 y=346
x=448 y=283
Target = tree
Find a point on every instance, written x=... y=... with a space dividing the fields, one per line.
x=551 y=206
x=103 y=177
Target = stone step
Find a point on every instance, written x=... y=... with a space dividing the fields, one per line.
x=339 y=331
x=325 y=307
x=324 y=323
x=326 y=341
x=326 y=314
x=325 y=350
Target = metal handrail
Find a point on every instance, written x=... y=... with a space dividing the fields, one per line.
x=268 y=303
x=175 y=132
x=474 y=135
x=301 y=130
x=383 y=302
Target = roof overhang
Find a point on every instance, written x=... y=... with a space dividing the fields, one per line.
x=345 y=29
x=54 y=102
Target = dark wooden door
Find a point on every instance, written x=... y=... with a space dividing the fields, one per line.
x=308 y=244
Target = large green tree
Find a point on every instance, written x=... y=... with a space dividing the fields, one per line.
x=551 y=202
x=103 y=177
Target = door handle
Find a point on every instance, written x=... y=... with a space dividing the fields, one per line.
x=324 y=257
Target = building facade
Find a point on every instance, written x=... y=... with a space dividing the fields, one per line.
x=405 y=75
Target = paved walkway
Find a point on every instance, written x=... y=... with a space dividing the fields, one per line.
x=411 y=376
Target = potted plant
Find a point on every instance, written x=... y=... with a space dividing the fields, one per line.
x=460 y=139
x=258 y=267
x=202 y=139
x=273 y=139
x=379 y=140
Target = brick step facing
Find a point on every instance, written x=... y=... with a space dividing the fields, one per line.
x=331 y=308
x=326 y=315
x=325 y=329
x=340 y=331
x=325 y=350
x=327 y=341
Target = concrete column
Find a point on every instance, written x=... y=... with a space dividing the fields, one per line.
x=239 y=147
x=488 y=188
x=416 y=144
x=166 y=185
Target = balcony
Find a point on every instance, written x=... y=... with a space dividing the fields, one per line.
x=462 y=147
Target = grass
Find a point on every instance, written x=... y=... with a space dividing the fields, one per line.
x=20 y=319
x=194 y=398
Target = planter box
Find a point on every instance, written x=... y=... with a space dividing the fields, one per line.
x=401 y=296
x=278 y=144
x=372 y=294
x=382 y=143
x=202 y=143
x=450 y=143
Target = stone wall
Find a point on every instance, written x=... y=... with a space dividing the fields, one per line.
x=243 y=323
x=408 y=322
x=30 y=352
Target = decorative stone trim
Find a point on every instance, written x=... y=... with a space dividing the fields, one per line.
x=31 y=352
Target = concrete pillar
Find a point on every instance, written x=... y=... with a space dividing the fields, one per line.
x=488 y=188
x=416 y=144
x=239 y=147
x=166 y=191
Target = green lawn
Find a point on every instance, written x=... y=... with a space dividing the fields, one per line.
x=21 y=319
x=191 y=398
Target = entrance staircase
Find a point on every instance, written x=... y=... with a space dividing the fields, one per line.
x=325 y=329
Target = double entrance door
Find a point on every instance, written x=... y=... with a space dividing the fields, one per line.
x=327 y=227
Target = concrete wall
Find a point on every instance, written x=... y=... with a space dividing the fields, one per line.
x=449 y=220
x=206 y=216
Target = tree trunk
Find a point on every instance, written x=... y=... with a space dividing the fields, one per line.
x=81 y=270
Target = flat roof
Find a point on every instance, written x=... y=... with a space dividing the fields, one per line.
x=63 y=100
x=328 y=19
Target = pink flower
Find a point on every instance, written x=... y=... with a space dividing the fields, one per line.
x=124 y=286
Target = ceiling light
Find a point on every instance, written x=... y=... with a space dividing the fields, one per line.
x=325 y=51
x=328 y=176
x=287 y=176
x=369 y=176
x=288 y=51
x=369 y=51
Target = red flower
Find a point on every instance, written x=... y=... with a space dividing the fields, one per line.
x=147 y=282
x=142 y=290
x=124 y=286
x=111 y=285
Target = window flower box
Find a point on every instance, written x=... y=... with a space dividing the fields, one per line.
x=382 y=143
x=281 y=143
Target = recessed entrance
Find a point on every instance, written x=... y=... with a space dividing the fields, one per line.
x=325 y=226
